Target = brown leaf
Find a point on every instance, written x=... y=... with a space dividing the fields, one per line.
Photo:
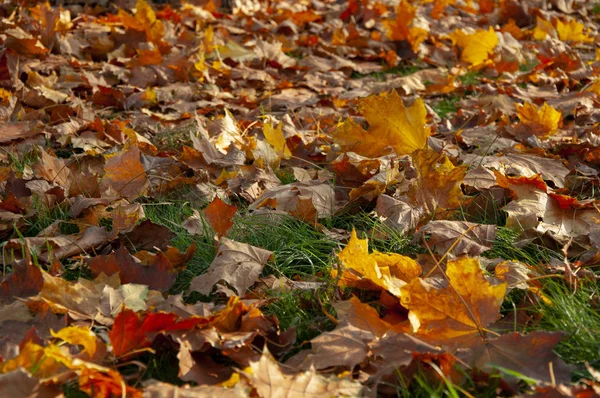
x=53 y=170
x=125 y=175
x=25 y=280
x=271 y=382
x=468 y=238
x=160 y=275
x=238 y=264
x=19 y=383
x=291 y=198
x=159 y=389
x=531 y=355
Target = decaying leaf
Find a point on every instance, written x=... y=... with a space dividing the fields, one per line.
x=269 y=381
x=459 y=237
x=237 y=264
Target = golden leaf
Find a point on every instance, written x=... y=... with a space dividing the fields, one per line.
x=572 y=31
x=542 y=29
x=542 y=122
x=391 y=124
x=476 y=47
x=274 y=136
x=400 y=29
x=437 y=186
x=75 y=335
x=456 y=313
x=376 y=271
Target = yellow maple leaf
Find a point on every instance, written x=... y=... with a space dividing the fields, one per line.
x=475 y=47
x=391 y=125
x=401 y=29
x=572 y=31
x=31 y=357
x=274 y=136
x=437 y=186
x=375 y=271
x=75 y=335
x=542 y=29
x=458 y=313
x=594 y=87
x=542 y=122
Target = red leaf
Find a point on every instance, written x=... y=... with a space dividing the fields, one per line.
x=219 y=215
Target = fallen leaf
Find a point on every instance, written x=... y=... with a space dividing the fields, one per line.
x=375 y=271
x=542 y=122
x=237 y=264
x=159 y=275
x=459 y=237
x=457 y=314
x=391 y=125
x=269 y=381
x=475 y=47
x=125 y=175
x=219 y=216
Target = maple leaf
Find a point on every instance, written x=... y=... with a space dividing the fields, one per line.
x=530 y=355
x=159 y=275
x=391 y=125
x=572 y=31
x=79 y=336
x=475 y=47
x=238 y=264
x=24 y=280
x=459 y=237
x=400 y=29
x=219 y=215
x=375 y=271
x=456 y=314
x=542 y=122
x=437 y=186
x=125 y=174
x=269 y=380
x=542 y=29
x=274 y=136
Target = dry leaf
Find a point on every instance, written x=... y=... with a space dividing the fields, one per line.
x=459 y=237
x=237 y=264
x=391 y=125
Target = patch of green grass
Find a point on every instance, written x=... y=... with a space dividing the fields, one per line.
x=23 y=160
x=470 y=78
x=174 y=138
x=285 y=175
x=304 y=310
x=399 y=70
x=596 y=9
x=299 y=249
x=44 y=216
x=446 y=106
x=172 y=214
x=504 y=247
x=381 y=237
x=528 y=66
x=575 y=312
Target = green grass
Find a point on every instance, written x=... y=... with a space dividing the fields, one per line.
x=446 y=106
x=528 y=66
x=575 y=312
x=399 y=70
x=470 y=78
x=24 y=160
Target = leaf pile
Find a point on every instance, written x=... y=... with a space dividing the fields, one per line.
x=449 y=122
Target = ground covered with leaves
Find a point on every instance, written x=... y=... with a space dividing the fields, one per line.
x=299 y=198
